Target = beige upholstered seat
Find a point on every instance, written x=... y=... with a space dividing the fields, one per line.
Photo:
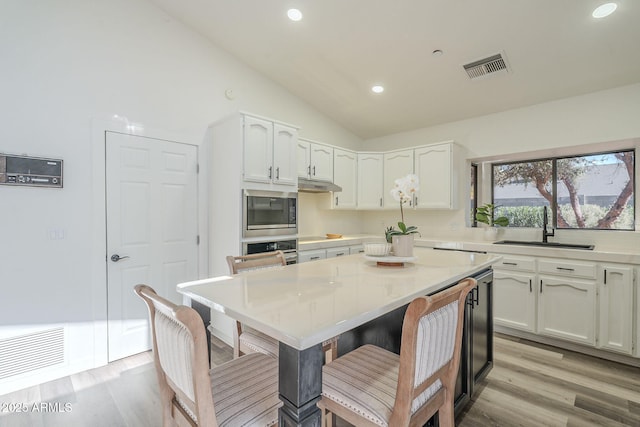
x=242 y=392
x=248 y=340
x=371 y=386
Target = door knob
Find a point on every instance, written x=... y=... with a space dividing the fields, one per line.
x=116 y=257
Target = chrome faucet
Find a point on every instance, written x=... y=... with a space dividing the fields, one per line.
x=545 y=221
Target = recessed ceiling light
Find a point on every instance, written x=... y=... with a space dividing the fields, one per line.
x=604 y=10
x=377 y=89
x=294 y=14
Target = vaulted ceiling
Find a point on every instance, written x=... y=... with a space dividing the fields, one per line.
x=341 y=48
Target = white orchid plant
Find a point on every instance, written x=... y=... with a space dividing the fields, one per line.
x=403 y=192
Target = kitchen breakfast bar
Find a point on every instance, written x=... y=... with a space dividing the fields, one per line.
x=356 y=300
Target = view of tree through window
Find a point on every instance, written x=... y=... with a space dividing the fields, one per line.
x=590 y=192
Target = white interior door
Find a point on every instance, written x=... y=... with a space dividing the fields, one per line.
x=152 y=231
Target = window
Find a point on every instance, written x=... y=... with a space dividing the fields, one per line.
x=594 y=191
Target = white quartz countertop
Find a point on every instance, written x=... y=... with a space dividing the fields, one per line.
x=305 y=304
x=601 y=253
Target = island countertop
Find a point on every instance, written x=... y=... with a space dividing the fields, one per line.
x=305 y=304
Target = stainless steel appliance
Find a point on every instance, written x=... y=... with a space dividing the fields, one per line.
x=269 y=213
x=288 y=246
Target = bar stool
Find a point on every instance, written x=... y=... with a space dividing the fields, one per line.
x=371 y=386
x=247 y=340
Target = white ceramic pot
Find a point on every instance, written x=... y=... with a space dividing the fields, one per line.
x=491 y=234
x=402 y=245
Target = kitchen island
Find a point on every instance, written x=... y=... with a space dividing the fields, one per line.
x=303 y=305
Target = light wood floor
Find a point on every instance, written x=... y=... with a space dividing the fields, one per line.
x=530 y=385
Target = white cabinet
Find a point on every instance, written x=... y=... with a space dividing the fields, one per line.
x=616 y=308
x=269 y=152
x=397 y=164
x=331 y=252
x=336 y=252
x=315 y=160
x=312 y=255
x=356 y=249
x=370 y=171
x=515 y=293
x=345 y=176
x=435 y=170
x=567 y=304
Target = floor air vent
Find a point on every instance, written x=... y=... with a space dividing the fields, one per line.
x=486 y=66
x=29 y=352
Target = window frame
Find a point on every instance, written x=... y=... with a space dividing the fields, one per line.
x=554 y=183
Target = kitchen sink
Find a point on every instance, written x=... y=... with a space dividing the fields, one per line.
x=545 y=244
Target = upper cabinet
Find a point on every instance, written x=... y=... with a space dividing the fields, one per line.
x=345 y=175
x=270 y=154
x=397 y=164
x=370 y=172
x=315 y=160
x=436 y=172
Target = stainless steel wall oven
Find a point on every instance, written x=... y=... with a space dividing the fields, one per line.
x=269 y=213
x=289 y=247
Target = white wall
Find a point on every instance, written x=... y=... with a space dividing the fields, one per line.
x=599 y=117
x=66 y=63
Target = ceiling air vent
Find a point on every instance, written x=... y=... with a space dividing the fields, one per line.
x=486 y=66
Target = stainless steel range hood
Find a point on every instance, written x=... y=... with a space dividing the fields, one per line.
x=309 y=186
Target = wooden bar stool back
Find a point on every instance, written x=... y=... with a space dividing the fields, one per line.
x=371 y=386
x=243 y=391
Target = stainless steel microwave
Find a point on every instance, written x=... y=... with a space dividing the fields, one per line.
x=269 y=213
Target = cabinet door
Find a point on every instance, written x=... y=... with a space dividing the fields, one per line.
x=336 y=252
x=433 y=165
x=567 y=309
x=285 y=140
x=397 y=164
x=344 y=175
x=616 y=308
x=258 y=150
x=370 y=169
x=304 y=158
x=312 y=255
x=515 y=300
x=321 y=162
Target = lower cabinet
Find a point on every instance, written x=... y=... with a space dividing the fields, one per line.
x=616 y=308
x=515 y=300
x=567 y=309
x=578 y=301
x=316 y=254
x=336 y=252
x=313 y=255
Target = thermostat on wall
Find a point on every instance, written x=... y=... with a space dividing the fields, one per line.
x=31 y=171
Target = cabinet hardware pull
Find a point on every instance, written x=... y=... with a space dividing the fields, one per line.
x=530 y=286
x=309 y=170
x=605 y=276
x=564 y=269
x=509 y=263
x=314 y=171
x=340 y=254
x=336 y=200
x=314 y=258
x=380 y=201
x=477 y=294
x=270 y=171
x=278 y=172
x=540 y=285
